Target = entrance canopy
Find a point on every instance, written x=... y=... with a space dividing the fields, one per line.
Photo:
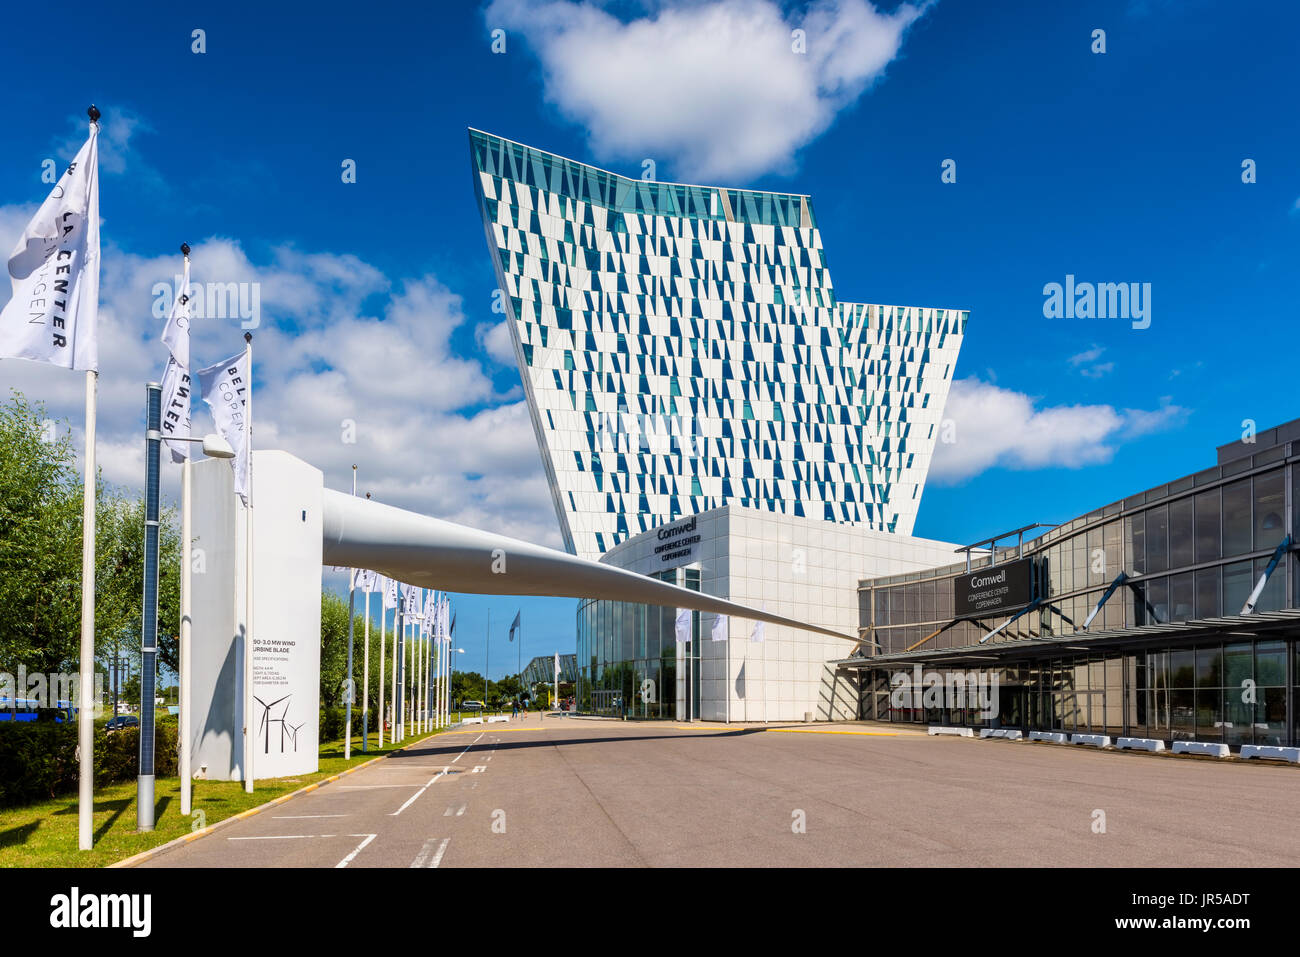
x=1274 y=624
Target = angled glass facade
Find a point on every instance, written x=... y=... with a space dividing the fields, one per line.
x=682 y=347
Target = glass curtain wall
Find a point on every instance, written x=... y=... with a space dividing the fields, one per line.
x=1237 y=692
x=628 y=656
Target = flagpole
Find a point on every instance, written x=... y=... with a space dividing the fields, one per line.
x=185 y=730
x=86 y=715
x=248 y=568
x=365 y=682
x=383 y=640
x=352 y=612
x=418 y=677
x=487 y=651
x=424 y=667
x=407 y=644
x=397 y=620
x=729 y=687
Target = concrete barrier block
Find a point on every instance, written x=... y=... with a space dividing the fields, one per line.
x=1056 y=737
x=1271 y=751
x=961 y=732
x=1201 y=747
x=1011 y=734
x=1140 y=744
x=496 y=718
x=1094 y=740
x=472 y=721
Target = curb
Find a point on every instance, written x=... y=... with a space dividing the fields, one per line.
x=203 y=832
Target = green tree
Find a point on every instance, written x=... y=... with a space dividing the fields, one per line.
x=40 y=553
x=40 y=541
x=466 y=685
x=119 y=577
x=333 y=649
x=507 y=689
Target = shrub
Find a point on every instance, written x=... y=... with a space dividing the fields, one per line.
x=332 y=723
x=38 y=759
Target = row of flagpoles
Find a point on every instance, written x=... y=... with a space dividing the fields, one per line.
x=423 y=625
x=51 y=317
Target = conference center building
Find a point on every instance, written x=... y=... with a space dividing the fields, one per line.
x=1172 y=614
x=709 y=411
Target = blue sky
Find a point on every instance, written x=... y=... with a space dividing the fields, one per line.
x=1117 y=167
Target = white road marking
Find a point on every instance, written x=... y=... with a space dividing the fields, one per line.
x=479 y=769
x=411 y=799
x=410 y=767
x=467 y=747
x=427 y=849
x=302 y=817
x=356 y=850
x=272 y=837
x=372 y=787
x=453 y=810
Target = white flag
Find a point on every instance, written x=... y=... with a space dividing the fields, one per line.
x=557 y=666
x=683 y=625
x=757 y=634
x=176 y=380
x=431 y=611
x=411 y=603
x=54 y=272
x=176 y=407
x=367 y=580
x=426 y=613
x=225 y=390
x=390 y=593
x=720 y=628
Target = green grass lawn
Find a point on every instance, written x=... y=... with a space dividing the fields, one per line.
x=45 y=834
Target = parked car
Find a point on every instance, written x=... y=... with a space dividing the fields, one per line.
x=472 y=705
x=120 y=722
x=29 y=709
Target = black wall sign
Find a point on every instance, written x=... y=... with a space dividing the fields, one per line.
x=991 y=591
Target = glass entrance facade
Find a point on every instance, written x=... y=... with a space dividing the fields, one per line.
x=1231 y=692
x=629 y=658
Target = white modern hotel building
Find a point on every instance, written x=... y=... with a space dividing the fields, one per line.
x=708 y=411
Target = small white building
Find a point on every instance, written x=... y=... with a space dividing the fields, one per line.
x=629 y=661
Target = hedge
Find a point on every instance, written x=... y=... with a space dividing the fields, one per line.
x=333 y=721
x=38 y=759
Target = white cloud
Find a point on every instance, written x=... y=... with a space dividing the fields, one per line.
x=1087 y=364
x=1087 y=356
x=338 y=341
x=714 y=86
x=997 y=427
x=494 y=339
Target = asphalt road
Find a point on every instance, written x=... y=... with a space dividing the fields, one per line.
x=571 y=792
